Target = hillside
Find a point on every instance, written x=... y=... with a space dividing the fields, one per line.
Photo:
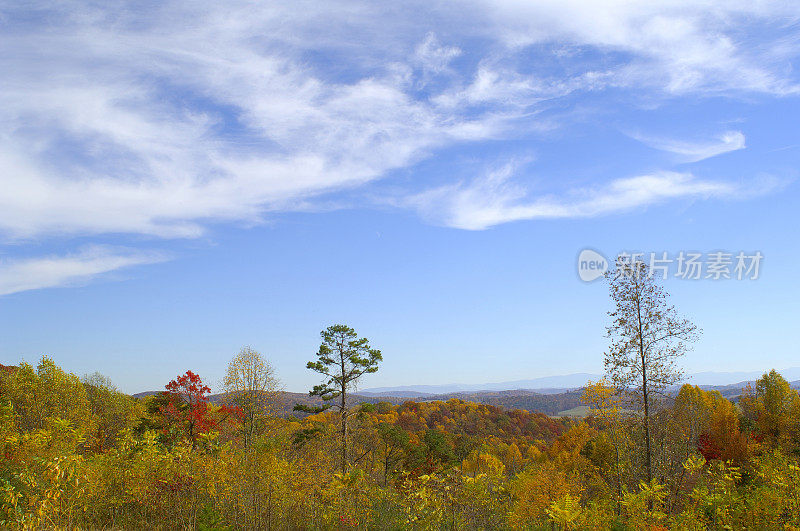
x=552 y=404
x=549 y=403
x=531 y=401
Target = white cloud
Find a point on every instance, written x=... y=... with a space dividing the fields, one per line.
x=432 y=56
x=120 y=121
x=676 y=46
x=696 y=151
x=55 y=271
x=102 y=149
x=495 y=199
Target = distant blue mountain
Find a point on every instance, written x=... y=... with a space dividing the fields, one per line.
x=727 y=378
x=557 y=384
x=549 y=383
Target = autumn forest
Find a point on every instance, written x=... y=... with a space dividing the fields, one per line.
x=653 y=452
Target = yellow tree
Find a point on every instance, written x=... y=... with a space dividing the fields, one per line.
x=708 y=421
x=692 y=409
x=513 y=458
x=605 y=404
x=112 y=411
x=44 y=393
x=536 y=488
x=251 y=385
x=773 y=406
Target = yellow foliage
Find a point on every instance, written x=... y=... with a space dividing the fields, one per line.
x=536 y=488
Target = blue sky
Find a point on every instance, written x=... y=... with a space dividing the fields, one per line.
x=178 y=180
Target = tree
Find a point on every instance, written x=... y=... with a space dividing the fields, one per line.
x=513 y=458
x=187 y=405
x=111 y=410
x=44 y=393
x=605 y=404
x=395 y=441
x=251 y=386
x=647 y=337
x=342 y=359
x=479 y=462
x=773 y=406
x=537 y=487
x=438 y=449
x=708 y=422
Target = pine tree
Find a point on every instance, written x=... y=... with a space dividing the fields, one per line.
x=343 y=358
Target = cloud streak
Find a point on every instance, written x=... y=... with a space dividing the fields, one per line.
x=495 y=199
x=18 y=275
x=697 y=151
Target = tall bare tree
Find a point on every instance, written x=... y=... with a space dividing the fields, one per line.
x=647 y=337
x=251 y=385
x=342 y=359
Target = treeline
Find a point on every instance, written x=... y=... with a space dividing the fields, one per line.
x=76 y=453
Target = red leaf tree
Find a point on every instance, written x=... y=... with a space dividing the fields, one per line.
x=187 y=405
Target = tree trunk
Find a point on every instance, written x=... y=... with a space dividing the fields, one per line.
x=344 y=412
x=617 y=466
x=344 y=439
x=646 y=399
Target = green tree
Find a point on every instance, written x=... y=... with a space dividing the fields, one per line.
x=438 y=448
x=342 y=359
x=395 y=441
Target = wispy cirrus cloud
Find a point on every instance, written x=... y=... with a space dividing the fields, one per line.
x=433 y=56
x=679 y=47
x=495 y=198
x=162 y=120
x=696 y=151
x=25 y=274
x=117 y=120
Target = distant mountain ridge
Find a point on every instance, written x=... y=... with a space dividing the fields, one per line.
x=551 y=403
x=556 y=384
x=564 y=383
